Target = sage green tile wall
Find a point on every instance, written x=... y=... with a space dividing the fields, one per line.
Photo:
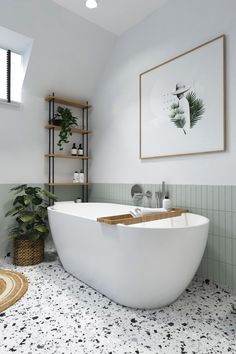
x=218 y=203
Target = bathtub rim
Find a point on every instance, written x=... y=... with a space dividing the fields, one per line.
x=205 y=220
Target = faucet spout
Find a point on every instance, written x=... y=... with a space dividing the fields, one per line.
x=160 y=195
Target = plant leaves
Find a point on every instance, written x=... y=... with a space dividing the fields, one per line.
x=26 y=218
x=13 y=235
x=27 y=199
x=35 y=236
x=15 y=211
x=49 y=195
x=19 y=189
x=68 y=121
x=37 y=200
x=19 y=199
x=30 y=212
x=41 y=228
x=197 y=108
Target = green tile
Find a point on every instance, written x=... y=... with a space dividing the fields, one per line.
x=215 y=196
x=233 y=252
x=211 y=269
x=222 y=250
x=183 y=196
x=233 y=188
x=229 y=275
x=179 y=196
x=210 y=217
x=174 y=199
x=216 y=247
x=228 y=250
x=210 y=247
x=219 y=223
x=216 y=266
x=193 y=197
x=234 y=225
x=234 y=278
x=210 y=193
x=222 y=198
x=228 y=198
x=228 y=224
x=204 y=196
x=222 y=272
x=198 y=190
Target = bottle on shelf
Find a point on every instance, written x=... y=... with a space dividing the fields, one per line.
x=80 y=150
x=167 y=203
x=74 y=150
x=76 y=177
x=81 y=176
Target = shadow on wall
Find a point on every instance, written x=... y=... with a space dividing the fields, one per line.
x=5 y=223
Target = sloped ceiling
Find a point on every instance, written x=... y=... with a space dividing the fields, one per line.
x=116 y=16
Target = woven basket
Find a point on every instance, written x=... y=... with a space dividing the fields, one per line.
x=28 y=252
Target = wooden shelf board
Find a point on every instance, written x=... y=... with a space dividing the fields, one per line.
x=74 y=130
x=63 y=156
x=67 y=184
x=68 y=102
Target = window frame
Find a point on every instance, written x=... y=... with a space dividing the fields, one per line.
x=8 y=99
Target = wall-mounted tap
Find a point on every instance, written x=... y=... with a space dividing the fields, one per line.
x=160 y=195
x=137 y=193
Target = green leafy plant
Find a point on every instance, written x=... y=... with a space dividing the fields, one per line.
x=177 y=116
x=30 y=210
x=196 y=107
x=67 y=121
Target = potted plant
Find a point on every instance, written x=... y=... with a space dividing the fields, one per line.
x=66 y=121
x=30 y=212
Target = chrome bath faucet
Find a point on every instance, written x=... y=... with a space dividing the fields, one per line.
x=160 y=195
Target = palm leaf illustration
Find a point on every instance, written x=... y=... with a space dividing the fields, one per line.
x=197 y=108
x=177 y=116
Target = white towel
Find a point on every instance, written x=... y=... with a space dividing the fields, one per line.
x=145 y=211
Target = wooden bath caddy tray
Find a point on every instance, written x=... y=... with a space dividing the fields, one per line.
x=128 y=219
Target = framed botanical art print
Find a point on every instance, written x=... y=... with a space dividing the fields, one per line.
x=182 y=103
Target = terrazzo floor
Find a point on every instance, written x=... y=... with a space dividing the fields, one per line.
x=61 y=315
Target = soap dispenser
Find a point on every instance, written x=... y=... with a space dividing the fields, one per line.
x=166 y=203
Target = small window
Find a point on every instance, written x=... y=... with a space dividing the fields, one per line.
x=10 y=76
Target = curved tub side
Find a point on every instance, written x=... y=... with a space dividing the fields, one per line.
x=140 y=268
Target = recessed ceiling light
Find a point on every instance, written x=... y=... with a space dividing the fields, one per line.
x=91 y=4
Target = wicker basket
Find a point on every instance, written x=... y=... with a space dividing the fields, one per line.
x=28 y=252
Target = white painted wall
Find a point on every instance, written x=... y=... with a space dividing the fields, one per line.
x=175 y=28
x=67 y=57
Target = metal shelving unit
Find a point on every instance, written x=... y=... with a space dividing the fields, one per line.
x=84 y=107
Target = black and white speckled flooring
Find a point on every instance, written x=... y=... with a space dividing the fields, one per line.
x=61 y=315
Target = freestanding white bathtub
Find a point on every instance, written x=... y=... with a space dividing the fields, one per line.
x=144 y=265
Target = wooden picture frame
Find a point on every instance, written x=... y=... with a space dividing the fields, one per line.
x=183 y=103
